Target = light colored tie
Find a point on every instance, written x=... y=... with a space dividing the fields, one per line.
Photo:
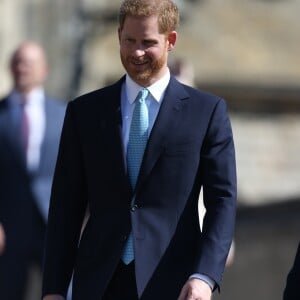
x=24 y=126
x=138 y=137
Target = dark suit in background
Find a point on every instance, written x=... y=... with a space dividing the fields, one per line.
x=24 y=192
x=292 y=289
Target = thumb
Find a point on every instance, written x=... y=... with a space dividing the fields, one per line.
x=183 y=294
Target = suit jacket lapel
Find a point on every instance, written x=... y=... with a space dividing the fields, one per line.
x=165 y=123
x=114 y=96
x=119 y=140
x=11 y=127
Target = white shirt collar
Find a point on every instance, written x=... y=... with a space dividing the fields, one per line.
x=157 y=89
x=34 y=97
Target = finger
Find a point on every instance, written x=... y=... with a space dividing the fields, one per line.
x=182 y=295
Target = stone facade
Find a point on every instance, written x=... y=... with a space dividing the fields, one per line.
x=239 y=42
x=11 y=32
x=51 y=23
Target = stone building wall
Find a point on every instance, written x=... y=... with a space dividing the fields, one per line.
x=11 y=31
x=239 y=42
x=51 y=23
x=266 y=241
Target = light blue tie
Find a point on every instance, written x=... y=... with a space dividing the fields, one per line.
x=138 y=137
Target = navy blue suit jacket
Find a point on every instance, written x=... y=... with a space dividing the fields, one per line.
x=190 y=146
x=22 y=193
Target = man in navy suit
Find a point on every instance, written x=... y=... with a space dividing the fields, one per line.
x=190 y=146
x=30 y=128
x=291 y=291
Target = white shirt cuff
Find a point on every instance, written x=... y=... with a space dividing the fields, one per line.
x=205 y=278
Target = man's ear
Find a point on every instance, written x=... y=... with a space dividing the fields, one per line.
x=172 y=37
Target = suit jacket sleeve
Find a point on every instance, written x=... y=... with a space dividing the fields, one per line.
x=218 y=173
x=66 y=212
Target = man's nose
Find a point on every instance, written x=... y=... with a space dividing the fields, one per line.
x=139 y=49
x=139 y=52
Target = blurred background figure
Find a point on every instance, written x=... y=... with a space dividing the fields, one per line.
x=292 y=290
x=182 y=70
x=30 y=126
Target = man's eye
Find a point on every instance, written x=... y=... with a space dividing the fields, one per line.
x=149 y=43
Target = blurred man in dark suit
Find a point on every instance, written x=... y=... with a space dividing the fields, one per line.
x=30 y=127
x=292 y=289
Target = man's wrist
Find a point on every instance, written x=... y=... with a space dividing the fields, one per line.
x=204 y=278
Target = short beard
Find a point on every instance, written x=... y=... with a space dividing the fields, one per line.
x=145 y=77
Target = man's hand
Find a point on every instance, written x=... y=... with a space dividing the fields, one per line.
x=195 y=289
x=2 y=239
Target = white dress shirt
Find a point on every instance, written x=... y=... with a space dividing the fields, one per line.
x=130 y=90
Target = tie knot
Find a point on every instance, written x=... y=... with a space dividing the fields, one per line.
x=143 y=93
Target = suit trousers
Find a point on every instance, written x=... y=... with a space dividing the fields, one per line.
x=122 y=285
